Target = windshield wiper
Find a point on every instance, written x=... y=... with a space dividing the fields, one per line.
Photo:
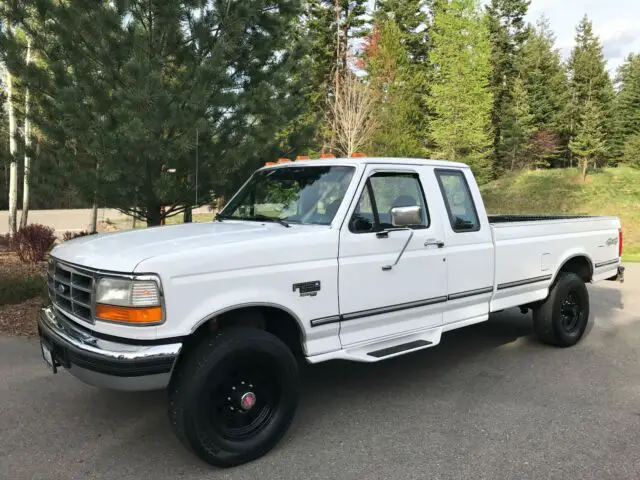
x=269 y=219
x=257 y=217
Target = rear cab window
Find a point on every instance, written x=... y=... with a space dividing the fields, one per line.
x=461 y=209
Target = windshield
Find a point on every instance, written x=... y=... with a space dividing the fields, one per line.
x=307 y=195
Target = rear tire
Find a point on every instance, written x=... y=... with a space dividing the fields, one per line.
x=562 y=318
x=234 y=396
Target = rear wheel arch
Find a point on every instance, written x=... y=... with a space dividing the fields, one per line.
x=580 y=264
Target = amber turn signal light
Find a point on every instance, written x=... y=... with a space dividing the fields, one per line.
x=134 y=315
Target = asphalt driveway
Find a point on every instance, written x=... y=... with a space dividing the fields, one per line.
x=488 y=403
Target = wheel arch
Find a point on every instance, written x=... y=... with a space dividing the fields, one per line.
x=577 y=262
x=272 y=317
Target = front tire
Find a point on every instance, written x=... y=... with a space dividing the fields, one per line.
x=562 y=318
x=234 y=396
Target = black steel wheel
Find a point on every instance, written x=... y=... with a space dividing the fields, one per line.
x=562 y=318
x=234 y=396
x=571 y=312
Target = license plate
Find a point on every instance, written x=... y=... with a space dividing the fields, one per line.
x=48 y=358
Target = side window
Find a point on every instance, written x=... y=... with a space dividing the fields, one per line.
x=458 y=200
x=383 y=192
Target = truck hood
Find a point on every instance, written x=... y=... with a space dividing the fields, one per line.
x=123 y=251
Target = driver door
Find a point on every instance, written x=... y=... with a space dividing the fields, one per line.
x=378 y=297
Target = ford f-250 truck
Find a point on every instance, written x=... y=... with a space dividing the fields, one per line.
x=357 y=259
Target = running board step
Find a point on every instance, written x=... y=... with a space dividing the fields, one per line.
x=385 y=352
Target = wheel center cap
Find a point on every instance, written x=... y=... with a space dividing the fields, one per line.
x=248 y=400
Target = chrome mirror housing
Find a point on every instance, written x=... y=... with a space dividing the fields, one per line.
x=406 y=216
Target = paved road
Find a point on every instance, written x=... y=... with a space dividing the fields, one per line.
x=488 y=403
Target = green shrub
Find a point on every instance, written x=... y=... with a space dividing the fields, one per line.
x=17 y=289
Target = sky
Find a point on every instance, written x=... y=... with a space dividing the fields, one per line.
x=616 y=22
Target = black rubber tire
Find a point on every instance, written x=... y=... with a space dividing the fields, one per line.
x=547 y=317
x=211 y=359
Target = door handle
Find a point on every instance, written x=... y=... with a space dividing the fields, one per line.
x=432 y=241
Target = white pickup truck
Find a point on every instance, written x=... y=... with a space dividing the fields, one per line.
x=357 y=259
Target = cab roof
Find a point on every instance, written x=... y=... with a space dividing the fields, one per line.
x=368 y=160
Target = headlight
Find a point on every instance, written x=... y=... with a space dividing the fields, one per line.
x=129 y=300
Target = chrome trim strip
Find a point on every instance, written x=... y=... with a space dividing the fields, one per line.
x=469 y=293
x=520 y=283
x=608 y=262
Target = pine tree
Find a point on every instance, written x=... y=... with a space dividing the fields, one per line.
x=131 y=85
x=547 y=87
x=631 y=151
x=461 y=97
x=589 y=81
x=518 y=127
x=396 y=79
x=410 y=18
x=589 y=145
x=508 y=32
x=544 y=77
x=627 y=102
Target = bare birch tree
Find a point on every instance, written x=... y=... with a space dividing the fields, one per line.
x=350 y=114
x=27 y=148
x=13 y=166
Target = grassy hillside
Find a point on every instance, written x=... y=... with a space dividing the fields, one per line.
x=611 y=191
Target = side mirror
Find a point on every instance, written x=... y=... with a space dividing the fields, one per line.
x=406 y=216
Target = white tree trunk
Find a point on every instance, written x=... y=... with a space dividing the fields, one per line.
x=13 y=166
x=27 y=148
x=94 y=217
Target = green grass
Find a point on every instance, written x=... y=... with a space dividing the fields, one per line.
x=609 y=191
x=16 y=289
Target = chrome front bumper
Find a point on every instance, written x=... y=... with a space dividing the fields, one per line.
x=106 y=363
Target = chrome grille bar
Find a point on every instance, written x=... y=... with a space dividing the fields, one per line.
x=71 y=289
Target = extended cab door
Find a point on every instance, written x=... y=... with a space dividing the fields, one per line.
x=390 y=280
x=470 y=249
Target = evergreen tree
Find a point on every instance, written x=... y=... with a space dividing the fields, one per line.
x=518 y=127
x=589 y=145
x=547 y=87
x=589 y=82
x=395 y=79
x=627 y=102
x=410 y=17
x=631 y=151
x=461 y=97
x=129 y=86
x=544 y=77
x=508 y=32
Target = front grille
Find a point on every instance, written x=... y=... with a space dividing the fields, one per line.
x=71 y=289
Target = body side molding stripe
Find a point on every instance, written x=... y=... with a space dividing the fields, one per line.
x=604 y=264
x=325 y=320
x=470 y=293
x=519 y=283
x=393 y=308
x=376 y=311
x=423 y=303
